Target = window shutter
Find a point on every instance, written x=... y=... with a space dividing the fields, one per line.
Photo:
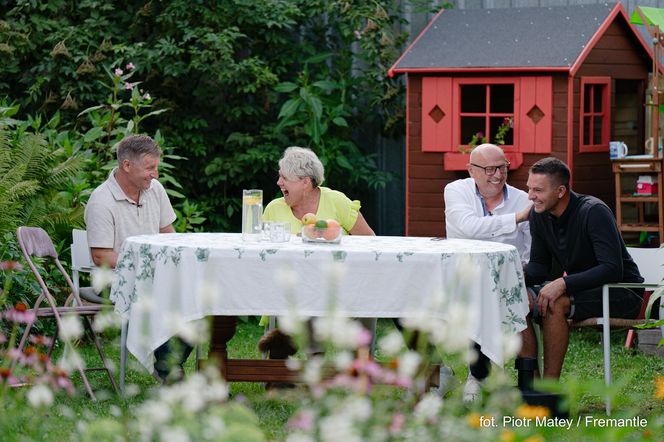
x=436 y=114
x=535 y=115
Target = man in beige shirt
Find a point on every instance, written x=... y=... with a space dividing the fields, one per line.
x=133 y=202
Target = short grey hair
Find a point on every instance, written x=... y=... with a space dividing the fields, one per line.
x=135 y=147
x=301 y=162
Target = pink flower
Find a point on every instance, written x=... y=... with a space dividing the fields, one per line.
x=130 y=66
x=15 y=354
x=128 y=86
x=3 y=338
x=304 y=420
x=40 y=340
x=7 y=376
x=20 y=313
x=364 y=338
x=147 y=96
x=11 y=265
x=403 y=381
x=118 y=72
x=398 y=420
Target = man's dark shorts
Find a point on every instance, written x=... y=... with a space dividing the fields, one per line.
x=623 y=303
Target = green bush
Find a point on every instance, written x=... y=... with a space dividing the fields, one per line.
x=219 y=67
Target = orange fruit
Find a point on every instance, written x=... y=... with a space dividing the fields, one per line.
x=333 y=230
x=309 y=218
x=309 y=231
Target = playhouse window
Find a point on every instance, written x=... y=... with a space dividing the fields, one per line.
x=486 y=112
x=595 y=114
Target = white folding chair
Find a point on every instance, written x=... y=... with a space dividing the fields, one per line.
x=651 y=266
x=81 y=261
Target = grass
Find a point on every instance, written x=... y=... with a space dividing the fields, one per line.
x=633 y=374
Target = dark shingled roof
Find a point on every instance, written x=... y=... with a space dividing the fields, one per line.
x=504 y=38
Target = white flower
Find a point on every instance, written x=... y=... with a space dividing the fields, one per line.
x=213 y=427
x=344 y=333
x=143 y=305
x=286 y=278
x=173 y=434
x=154 y=413
x=70 y=327
x=453 y=333
x=408 y=363
x=192 y=393
x=71 y=360
x=40 y=396
x=338 y=428
x=343 y=360
x=392 y=343
x=293 y=364
x=105 y=320
x=102 y=278
x=192 y=332
x=312 y=370
x=209 y=293
x=334 y=272
x=292 y=323
x=428 y=407
x=299 y=437
x=358 y=408
x=511 y=344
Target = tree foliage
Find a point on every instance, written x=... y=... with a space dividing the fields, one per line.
x=223 y=69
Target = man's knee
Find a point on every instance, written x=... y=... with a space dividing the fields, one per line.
x=562 y=306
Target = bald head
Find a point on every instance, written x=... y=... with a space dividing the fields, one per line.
x=488 y=167
x=487 y=151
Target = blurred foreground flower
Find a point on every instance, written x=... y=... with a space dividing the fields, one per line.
x=40 y=396
x=659 y=387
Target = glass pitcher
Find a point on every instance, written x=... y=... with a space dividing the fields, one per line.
x=252 y=214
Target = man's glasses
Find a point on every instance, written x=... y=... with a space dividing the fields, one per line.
x=490 y=170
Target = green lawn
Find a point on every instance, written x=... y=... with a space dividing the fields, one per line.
x=633 y=372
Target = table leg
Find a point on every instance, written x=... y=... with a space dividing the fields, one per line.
x=223 y=330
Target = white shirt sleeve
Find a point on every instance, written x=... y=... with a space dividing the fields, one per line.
x=464 y=216
x=524 y=242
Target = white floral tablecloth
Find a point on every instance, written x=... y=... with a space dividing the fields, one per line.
x=164 y=279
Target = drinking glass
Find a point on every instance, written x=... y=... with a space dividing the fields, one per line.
x=280 y=231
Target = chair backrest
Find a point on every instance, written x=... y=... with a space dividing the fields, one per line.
x=35 y=242
x=81 y=260
x=650 y=262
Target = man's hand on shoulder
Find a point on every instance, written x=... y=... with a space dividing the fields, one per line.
x=523 y=215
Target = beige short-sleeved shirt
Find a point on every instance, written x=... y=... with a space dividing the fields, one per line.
x=111 y=217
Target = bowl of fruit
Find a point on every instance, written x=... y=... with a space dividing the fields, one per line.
x=324 y=231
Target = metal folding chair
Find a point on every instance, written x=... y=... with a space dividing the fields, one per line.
x=650 y=263
x=651 y=266
x=35 y=242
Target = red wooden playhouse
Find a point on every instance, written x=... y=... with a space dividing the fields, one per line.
x=559 y=81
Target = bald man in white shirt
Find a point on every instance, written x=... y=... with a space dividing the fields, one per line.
x=485 y=207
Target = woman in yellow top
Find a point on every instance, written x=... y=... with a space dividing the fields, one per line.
x=301 y=174
x=300 y=177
